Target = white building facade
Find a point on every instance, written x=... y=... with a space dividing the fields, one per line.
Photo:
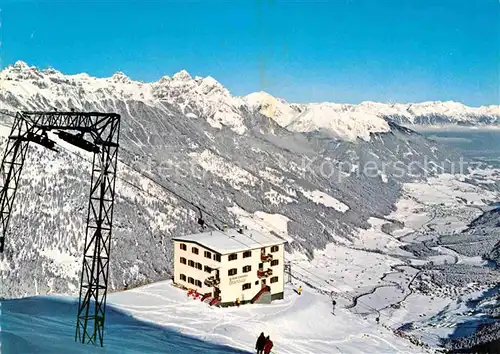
x=231 y=265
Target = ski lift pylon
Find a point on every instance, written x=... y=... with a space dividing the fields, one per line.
x=201 y=222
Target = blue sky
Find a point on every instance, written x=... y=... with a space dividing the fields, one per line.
x=338 y=50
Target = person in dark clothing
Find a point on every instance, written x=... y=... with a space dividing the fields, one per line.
x=268 y=346
x=261 y=341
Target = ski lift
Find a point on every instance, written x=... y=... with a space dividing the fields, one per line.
x=41 y=139
x=78 y=141
x=201 y=222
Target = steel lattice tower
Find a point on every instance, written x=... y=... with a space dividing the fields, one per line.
x=103 y=131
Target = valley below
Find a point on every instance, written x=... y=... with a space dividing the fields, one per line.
x=427 y=271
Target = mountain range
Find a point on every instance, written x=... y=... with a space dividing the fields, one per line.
x=205 y=97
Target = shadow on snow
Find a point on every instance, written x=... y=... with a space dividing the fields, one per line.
x=45 y=324
x=471 y=326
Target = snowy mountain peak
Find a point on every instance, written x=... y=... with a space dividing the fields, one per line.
x=52 y=72
x=164 y=81
x=205 y=96
x=21 y=71
x=182 y=75
x=339 y=120
x=209 y=85
x=261 y=98
x=120 y=77
x=20 y=65
x=272 y=107
x=210 y=81
x=342 y=121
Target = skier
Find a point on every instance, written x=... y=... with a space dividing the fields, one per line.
x=299 y=290
x=268 y=346
x=261 y=341
x=333 y=306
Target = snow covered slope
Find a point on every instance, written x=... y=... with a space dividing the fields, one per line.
x=297 y=324
x=165 y=320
